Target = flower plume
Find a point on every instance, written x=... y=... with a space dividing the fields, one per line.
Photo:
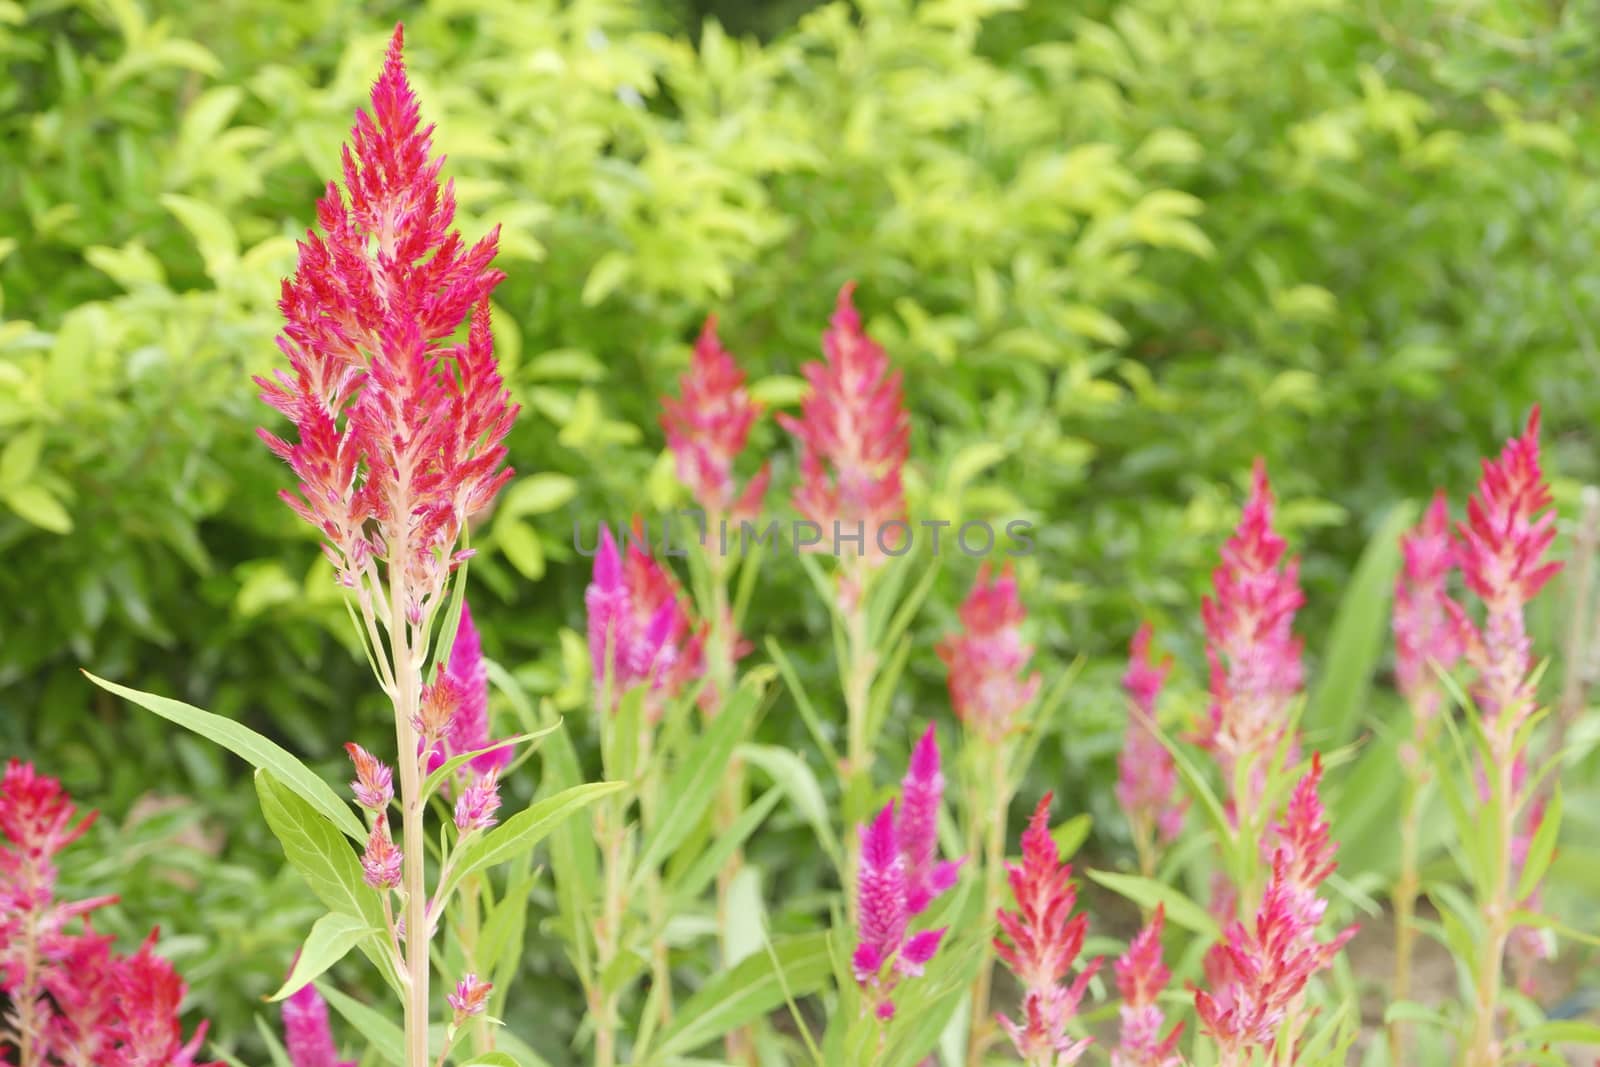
x=707 y=426
x=1147 y=778
x=1141 y=976
x=988 y=660
x=640 y=629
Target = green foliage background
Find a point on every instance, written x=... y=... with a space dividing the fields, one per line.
x=1119 y=249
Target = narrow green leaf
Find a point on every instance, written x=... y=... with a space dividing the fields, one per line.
x=251 y=747
x=524 y=830
x=790 y=772
x=1543 y=847
x=384 y=1037
x=492 y=1059
x=1560 y=1031
x=1147 y=893
x=808 y=710
x=455 y=763
x=749 y=991
x=331 y=937
x=693 y=881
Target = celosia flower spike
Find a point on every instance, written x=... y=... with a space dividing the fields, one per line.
x=640 y=630
x=374 y=784
x=1425 y=638
x=381 y=863
x=707 y=427
x=1141 y=976
x=471 y=996
x=921 y=792
x=399 y=433
x=988 y=660
x=1147 y=777
x=466 y=677
x=1040 y=944
x=884 y=952
x=307 y=1036
x=478 y=802
x=855 y=435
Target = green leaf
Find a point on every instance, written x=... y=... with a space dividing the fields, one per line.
x=1560 y=1031
x=211 y=229
x=794 y=776
x=692 y=882
x=1071 y=835
x=387 y=1039
x=251 y=747
x=1147 y=893
x=39 y=506
x=326 y=861
x=538 y=494
x=455 y=763
x=20 y=457
x=1360 y=633
x=524 y=830
x=749 y=991
x=1543 y=847
x=609 y=271
x=331 y=937
x=492 y=1059
x=808 y=710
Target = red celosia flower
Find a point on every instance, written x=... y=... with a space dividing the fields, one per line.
x=471 y=996
x=884 y=953
x=1255 y=977
x=149 y=993
x=1424 y=634
x=1508 y=530
x=639 y=624
x=306 y=1034
x=707 y=427
x=855 y=436
x=1044 y=941
x=1147 y=777
x=1141 y=976
x=399 y=432
x=1250 y=644
x=987 y=659
x=374 y=784
x=917 y=829
x=381 y=863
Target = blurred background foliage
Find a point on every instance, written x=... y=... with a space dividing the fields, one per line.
x=1119 y=247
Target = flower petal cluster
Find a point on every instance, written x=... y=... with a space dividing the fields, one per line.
x=900 y=875
x=1040 y=944
x=640 y=629
x=73 y=998
x=988 y=660
x=707 y=427
x=1256 y=975
x=854 y=433
x=398 y=431
x=470 y=997
x=307 y=1036
x=1508 y=530
x=1141 y=976
x=463 y=692
x=1424 y=634
x=1147 y=777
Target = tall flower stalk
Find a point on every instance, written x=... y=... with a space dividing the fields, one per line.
x=1147 y=776
x=1426 y=641
x=399 y=440
x=991 y=690
x=1508 y=532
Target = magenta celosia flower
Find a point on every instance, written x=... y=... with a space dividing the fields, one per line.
x=639 y=625
x=471 y=996
x=1509 y=528
x=1141 y=976
x=399 y=431
x=1147 y=777
x=1254 y=656
x=149 y=992
x=707 y=427
x=885 y=950
x=478 y=802
x=374 y=784
x=1424 y=635
x=463 y=687
x=1040 y=944
x=987 y=660
x=307 y=1035
x=917 y=829
x=1256 y=976
x=855 y=436
x=381 y=863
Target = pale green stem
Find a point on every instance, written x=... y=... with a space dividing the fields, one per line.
x=995 y=789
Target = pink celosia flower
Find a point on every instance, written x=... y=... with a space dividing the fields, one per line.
x=374 y=784
x=707 y=427
x=917 y=829
x=639 y=626
x=149 y=993
x=1255 y=977
x=1503 y=542
x=381 y=863
x=465 y=680
x=987 y=659
x=1255 y=657
x=884 y=952
x=399 y=432
x=1147 y=778
x=855 y=436
x=1041 y=942
x=471 y=996
x=478 y=802
x=1424 y=635
x=307 y=1036
x=1141 y=976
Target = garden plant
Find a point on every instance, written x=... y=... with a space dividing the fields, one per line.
x=799 y=777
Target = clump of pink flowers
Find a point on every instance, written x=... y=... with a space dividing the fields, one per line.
x=900 y=875
x=1426 y=638
x=1257 y=975
x=1147 y=777
x=74 y=999
x=707 y=427
x=640 y=629
x=307 y=1037
x=1041 y=943
x=987 y=661
x=1141 y=976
